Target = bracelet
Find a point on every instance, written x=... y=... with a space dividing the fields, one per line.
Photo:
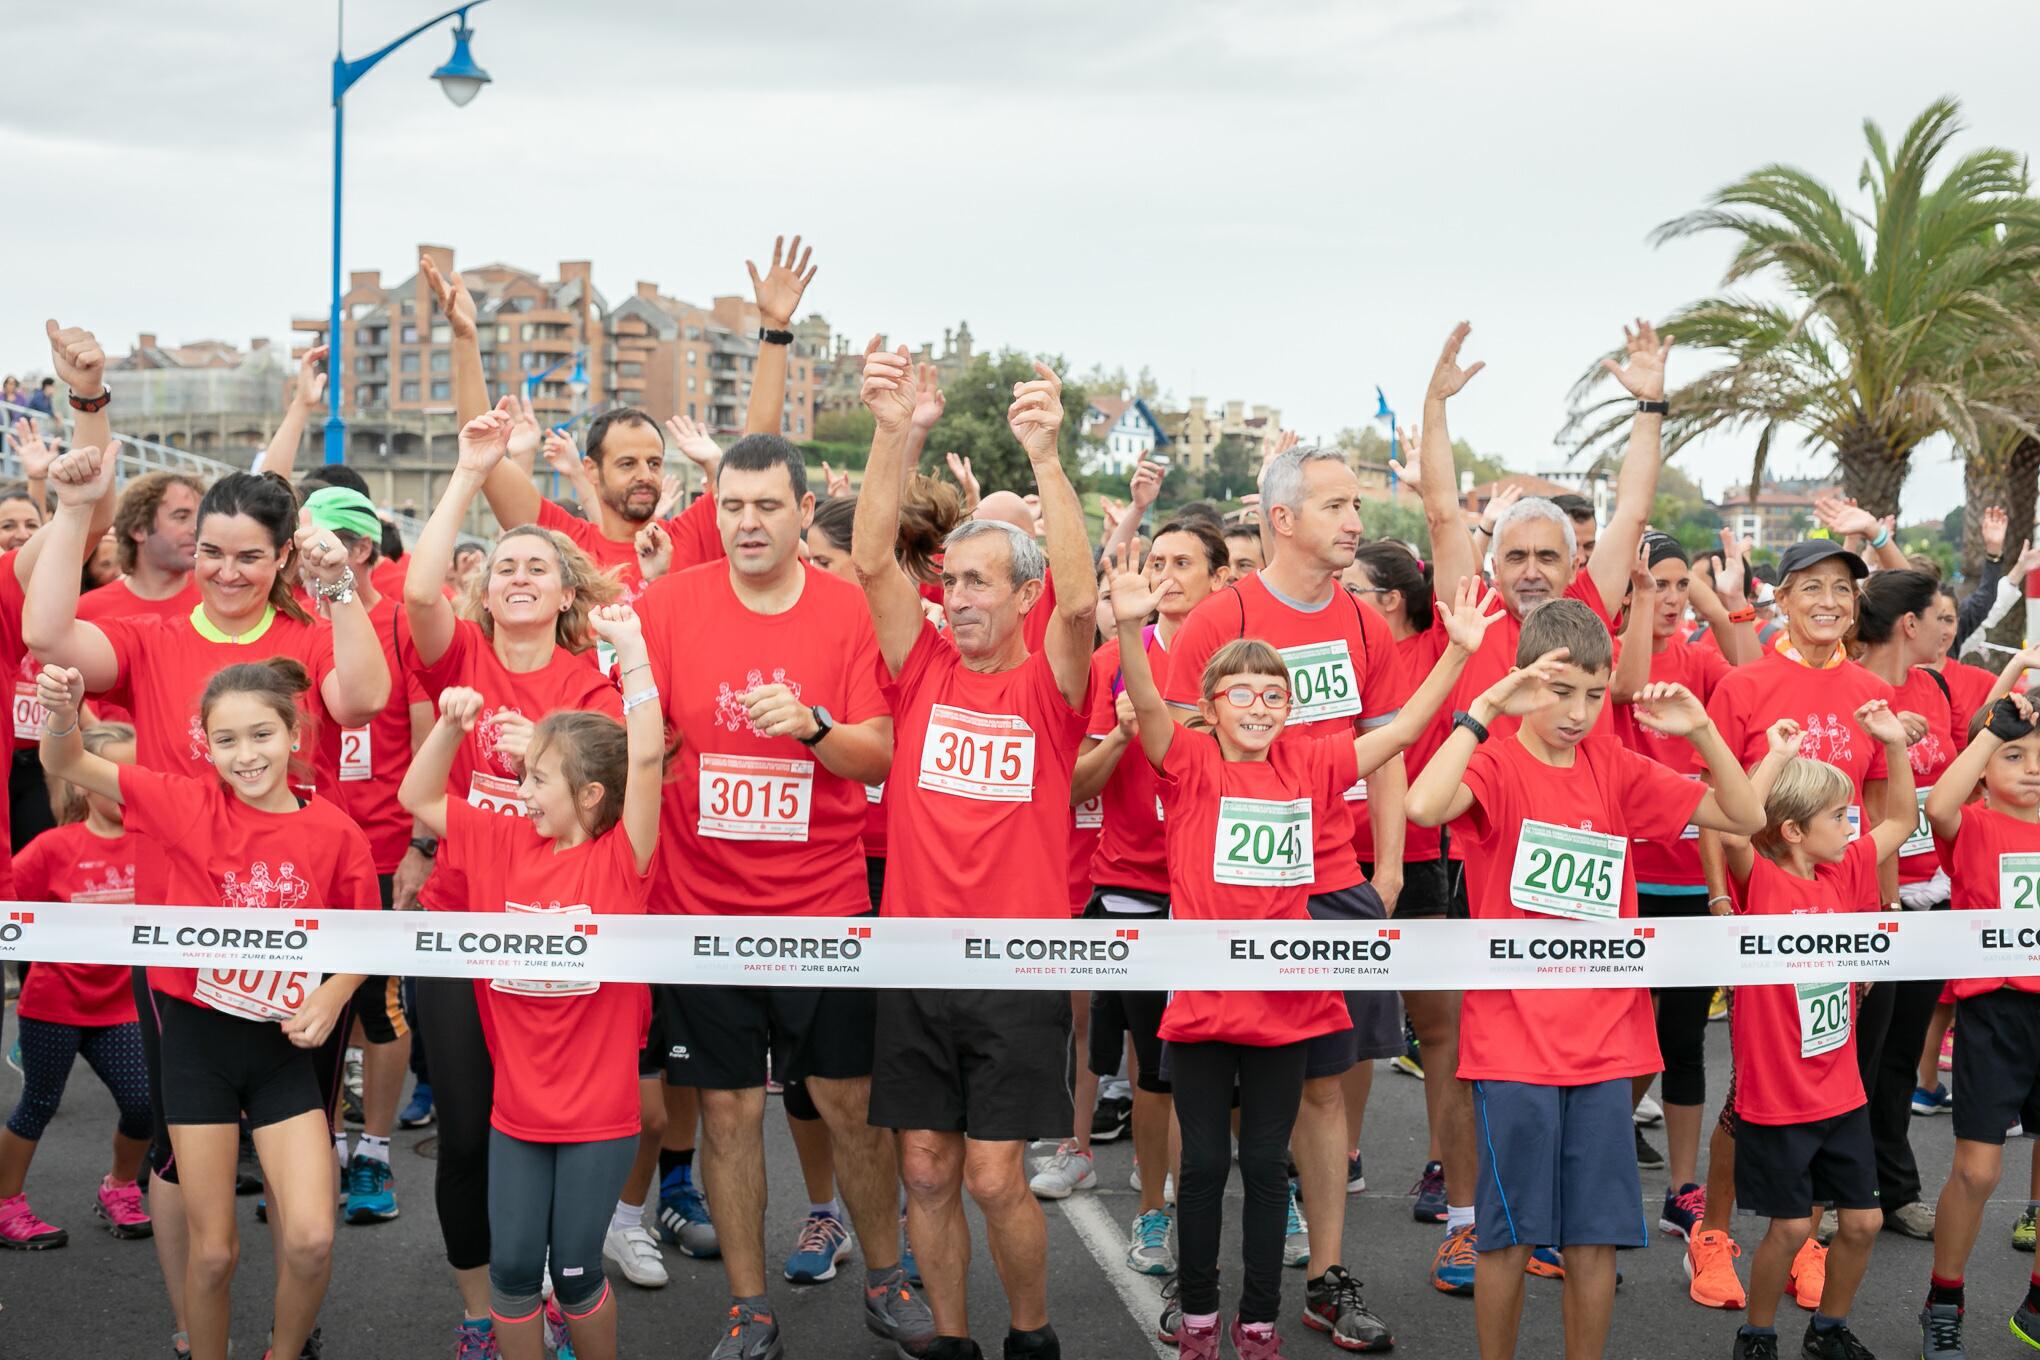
x=49 y=731
x=1883 y=537
x=773 y=337
x=643 y=696
x=1723 y=898
x=641 y=666
x=1746 y=614
x=1483 y=530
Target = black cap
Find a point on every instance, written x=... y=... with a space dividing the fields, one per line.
x=1658 y=547
x=1805 y=553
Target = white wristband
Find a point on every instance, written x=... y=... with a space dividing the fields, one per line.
x=643 y=696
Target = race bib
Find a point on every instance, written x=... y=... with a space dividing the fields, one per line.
x=986 y=756
x=1825 y=1014
x=755 y=798
x=28 y=713
x=493 y=793
x=1321 y=682
x=874 y=794
x=254 y=995
x=356 y=759
x=1091 y=815
x=1563 y=871
x=1692 y=830
x=2019 y=881
x=1921 y=842
x=544 y=986
x=1263 y=843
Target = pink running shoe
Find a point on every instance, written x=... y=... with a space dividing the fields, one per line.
x=1256 y=1344
x=21 y=1230
x=120 y=1204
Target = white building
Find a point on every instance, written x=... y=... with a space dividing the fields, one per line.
x=1125 y=431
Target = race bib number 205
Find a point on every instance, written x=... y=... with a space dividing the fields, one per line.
x=2019 y=882
x=986 y=756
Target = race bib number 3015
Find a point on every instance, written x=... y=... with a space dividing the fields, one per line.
x=254 y=995
x=1563 y=871
x=1321 y=681
x=1262 y=842
x=986 y=756
x=755 y=798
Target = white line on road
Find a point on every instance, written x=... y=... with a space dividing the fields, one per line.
x=1101 y=1236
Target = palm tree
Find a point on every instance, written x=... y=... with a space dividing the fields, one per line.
x=1881 y=306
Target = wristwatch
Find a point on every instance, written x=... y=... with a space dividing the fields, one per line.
x=1472 y=724
x=824 y=724
x=427 y=846
x=1653 y=408
x=772 y=337
x=90 y=404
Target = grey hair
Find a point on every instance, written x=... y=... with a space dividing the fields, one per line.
x=1531 y=508
x=1282 y=479
x=1028 y=561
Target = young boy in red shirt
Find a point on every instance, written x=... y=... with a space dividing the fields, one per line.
x=1802 y=1117
x=1546 y=815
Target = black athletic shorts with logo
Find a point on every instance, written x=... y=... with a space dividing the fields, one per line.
x=1996 y=1072
x=722 y=1037
x=1377 y=1016
x=1139 y=1014
x=992 y=1064
x=216 y=1067
x=1785 y=1170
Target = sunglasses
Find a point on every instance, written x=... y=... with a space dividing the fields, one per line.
x=1243 y=696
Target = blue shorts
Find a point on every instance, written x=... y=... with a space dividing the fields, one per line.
x=1557 y=1166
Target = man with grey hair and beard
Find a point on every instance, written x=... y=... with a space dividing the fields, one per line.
x=986 y=733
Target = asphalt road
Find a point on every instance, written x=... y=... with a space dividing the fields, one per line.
x=391 y=1295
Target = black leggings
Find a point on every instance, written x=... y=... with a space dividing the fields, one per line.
x=1890 y=1032
x=1681 y=1011
x=1270 y=1084
x=463 y=1092
x=114 y=1052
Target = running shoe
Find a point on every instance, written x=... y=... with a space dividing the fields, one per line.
x=907 y=1262
x=418 y=1113
x=371 y=1190
x=2026 y=1323
x=121 y=1206
x=1830 y=1223
x=1710 y=1265
x=1945 y=1062
x=684 y=1221
x=21 y=1230
x=635 y=1252
x=1430 y=1193
x=893 y=1310
x=1683 y=1210
x=1295 y=1233
x=1937 y=1101
x=14 y=1057
x=1648 y=1158
x=1171 y=1320
x=180 y=1346
x=1111 y=1120
x=1067 y=1171
x=824 y=1241
x=1546 y=1263
x=1332 y=1303
x=1809 y=1274
x=1356 y=1177
x=1752 y=1346
x=748 y=1335
x=1914 y=1220
x=1941 y=1332
x=1195 y=1343
x=1452 y=1267
x=1147 y=1248
x=558 y=1339
x=1168 y=1183
x=1409 y=1062
x=473 y=1342
x=1836 y=1343
x=2023 y=1230
x=1717 y=1005
x=1648 y=1113
x=1255 y=1345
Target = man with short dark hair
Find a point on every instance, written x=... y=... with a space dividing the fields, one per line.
x=1586 y=530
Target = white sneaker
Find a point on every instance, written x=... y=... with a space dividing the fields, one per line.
x=1295 y=1234
x=1168 y=1184
x=635 y=1252
x=1066 y=1171
x=1649 y=1113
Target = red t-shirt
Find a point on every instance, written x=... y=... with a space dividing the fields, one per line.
x=219 y=852
x=750 y=824
x=874 y=821
x=695 y=540
x=1969 y=686
x=1822 y=701
x=1237 y=831
x=1976 y=874
x=479 y=776
x=361 y=767
x=12 y=650
x=72 y=864
x=1132 y=849
x=565 y=1052
x=117 y=600
x=1774 y=1084
x=1568 y=1036
x=1673 y=864
x=1930 y=755
x=1344 y=673
x=387 y=576
x=1419 y=652
x=978 y=802
x=1085 y=828
x=1035 y=626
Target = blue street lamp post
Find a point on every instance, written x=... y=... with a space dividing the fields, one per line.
x=462 y=80
x=1386 y=414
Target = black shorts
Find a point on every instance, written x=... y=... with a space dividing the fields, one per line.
x=1996 y=1073
x=651 y=1059
x=218 y=1067
x=722 y=1037
x=1432 y=890
x=149 y=1011
x=874 y=880
x=992 y=1064
x=377 y=1001
x=1786 y=1170
x=1376 y=1016
x=1114 y=1014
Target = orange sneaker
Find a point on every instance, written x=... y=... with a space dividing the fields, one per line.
x=1710 y=1265
x=1809 y=1274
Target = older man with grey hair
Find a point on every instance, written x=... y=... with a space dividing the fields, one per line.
x=977 y=824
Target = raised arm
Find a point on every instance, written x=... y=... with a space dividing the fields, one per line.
x=359 y=683
x=1642 y=375
x=512 y=498
x=1452 y=551
x=1632 y=666
x=644 y=728
x=563 y=457
x=1440 y=793
x=80 y=365
x=423 y=792
x=50 y=626
x=1466 y=622
x=1728 y=805
x=895 y=603
x=2011 y=718
x=483 y=443
x=1134 y=597
x=1734 y=851
x=2019 y=663
x=1035 y=417
x=61 y=690
x=1844 y=519
x=1141 y=490
x=1719 y=590
x=778 y=293
x=1898 y=815
x=307 y=390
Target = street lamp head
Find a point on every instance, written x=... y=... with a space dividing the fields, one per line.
x=461 y=78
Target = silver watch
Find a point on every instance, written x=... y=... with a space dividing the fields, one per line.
x=340 y=592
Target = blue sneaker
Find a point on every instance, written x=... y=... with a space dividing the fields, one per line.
x=14 y=1057
x=1430 y=1193
x=824 y=1240
x=1548 y=1263
x=557 y=1339
x=418 y=1113
x=1936 y=1101
x=476 y=1341
x=1683 y=1210
x=371 y=1196
x=1452 y=1268
x=683 y=1217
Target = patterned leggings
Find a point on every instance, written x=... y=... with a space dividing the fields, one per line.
x=113 y=1051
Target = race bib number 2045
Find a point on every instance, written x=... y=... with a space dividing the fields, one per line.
x=1563 y=871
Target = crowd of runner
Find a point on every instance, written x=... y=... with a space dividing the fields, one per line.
x=930 y=699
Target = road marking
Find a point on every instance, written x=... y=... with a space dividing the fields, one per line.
x=1100 y=1234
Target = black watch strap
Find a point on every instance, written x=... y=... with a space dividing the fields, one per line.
x=1653 y=408
x=1472 y=724
x=772 y=337
x=427 y=846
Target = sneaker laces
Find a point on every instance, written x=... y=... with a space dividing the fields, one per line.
x=16 y=1216
x=126 y=1199
x=1693 y=1201
x=1433 y=1179
x=1152 y=1228
x=1458 y=1249
x=1296 y=1223
x=1851 y=1347
x=820 y=1234
x=1944 y=1330
x=1343 y=1290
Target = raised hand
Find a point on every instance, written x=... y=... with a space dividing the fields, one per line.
x=838 y=483
x=1408 y=440
x=1669 y=710
x=1036 y=414
x=966 y=480
x=1782 y=737
x=1134 y=595
x=779 y=291
x=1277 y=444
x=309 y=388
x=525 y=429
x=1447 y=377
x=1122 y=709
x=455 y=302
x=1641 y=582
x=695 y=443
x=1992 y=527
x=1525 y=689
x=2029 y=561
x=31 y=450
x=561 y=454
x=1110 y=512
x=60 y=690
x=654 y=551
x=1731 y=574
x=1497 y=506
x=513 y=740
x=616 y=624
x=483 y=442
x=461 y=707
x=1879 y=721
x=79 y=362
x=1642 y=373
x=1474 y=607
x=82 y=477
x=888 y=389
x=1842 y=516
x=319 y=551
x=929 y=403
x=669 y=495
x=1145 y=485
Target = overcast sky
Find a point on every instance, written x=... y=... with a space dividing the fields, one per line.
x=1281 y=201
